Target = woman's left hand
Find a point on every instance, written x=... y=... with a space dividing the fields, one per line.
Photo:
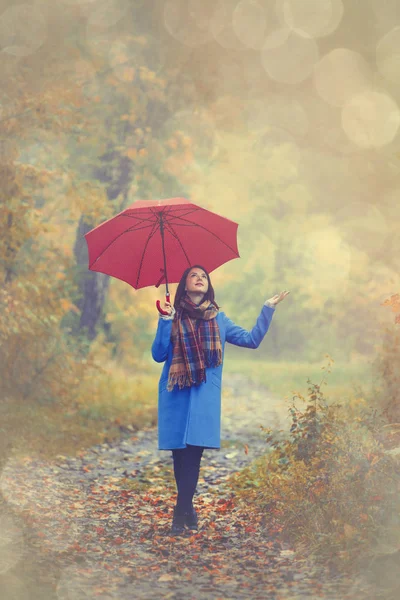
x=278 y=297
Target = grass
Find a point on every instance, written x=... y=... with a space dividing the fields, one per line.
x=118 y=399
x=104 y=407
x=282 y=378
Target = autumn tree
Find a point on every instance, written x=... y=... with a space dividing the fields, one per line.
x=36 y=356
x=125 y=149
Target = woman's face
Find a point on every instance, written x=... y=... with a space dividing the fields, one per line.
x=195 y=277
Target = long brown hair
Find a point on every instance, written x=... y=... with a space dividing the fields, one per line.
x=209 y=295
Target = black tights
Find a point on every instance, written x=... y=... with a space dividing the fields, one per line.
x=186 y=471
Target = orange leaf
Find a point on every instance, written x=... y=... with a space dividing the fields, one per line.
x=393 y=301
x=166 y=577
x=131 y=153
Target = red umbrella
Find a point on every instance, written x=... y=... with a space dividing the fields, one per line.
x=156 y=240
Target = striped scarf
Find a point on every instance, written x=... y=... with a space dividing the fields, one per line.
x=196 y=343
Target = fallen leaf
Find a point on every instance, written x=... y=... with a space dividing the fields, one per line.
x=166 y=577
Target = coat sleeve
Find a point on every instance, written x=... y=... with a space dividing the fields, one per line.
x=249 y=339
x=160 y=345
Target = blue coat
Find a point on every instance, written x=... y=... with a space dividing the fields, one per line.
x=192 y=415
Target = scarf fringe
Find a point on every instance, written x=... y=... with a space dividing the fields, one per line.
x=182 y=379
x=213 y=358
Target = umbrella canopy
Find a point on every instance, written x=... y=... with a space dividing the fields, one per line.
x=154 y=241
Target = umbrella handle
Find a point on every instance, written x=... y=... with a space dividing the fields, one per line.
x=160 y=310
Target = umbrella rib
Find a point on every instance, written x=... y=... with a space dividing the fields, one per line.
x=140 y=219
x=191 y=210
x=154 y=223
x=174 y=234
x=135 y=227
x=205 y=228
x=115 y=239
x=155 y=213
x=144 y=251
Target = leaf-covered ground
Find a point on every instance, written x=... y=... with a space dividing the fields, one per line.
x=98 y=526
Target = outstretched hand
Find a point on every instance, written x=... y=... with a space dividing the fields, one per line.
x=278 y=297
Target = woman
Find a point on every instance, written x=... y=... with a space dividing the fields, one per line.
x=191 y=340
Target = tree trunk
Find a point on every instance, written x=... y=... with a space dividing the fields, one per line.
x=92 y=286
x=116 y=172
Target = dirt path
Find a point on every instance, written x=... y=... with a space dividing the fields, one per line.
x=97 y=526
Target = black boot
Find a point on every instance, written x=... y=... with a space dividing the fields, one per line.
x=178 y=522
x=191 y=520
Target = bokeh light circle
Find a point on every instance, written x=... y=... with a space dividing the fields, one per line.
x=388 y=55
x=315 y=18
x=221 y=25
x=289 y=56
x=325 y=127
x=335 y=138
x=23 y=30
x=249 y=22
x=336 y=18
x=371 y=119
x=341 y=74
x=385 y=14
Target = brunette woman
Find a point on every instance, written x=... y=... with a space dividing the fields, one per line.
x=190 y=341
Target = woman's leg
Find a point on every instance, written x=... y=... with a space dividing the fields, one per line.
x=188 y=475
x=177 y=458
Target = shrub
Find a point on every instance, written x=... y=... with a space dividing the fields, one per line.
x=330 y=484
x=386 y=366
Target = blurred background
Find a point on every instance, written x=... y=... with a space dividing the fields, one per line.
x=282 y=116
